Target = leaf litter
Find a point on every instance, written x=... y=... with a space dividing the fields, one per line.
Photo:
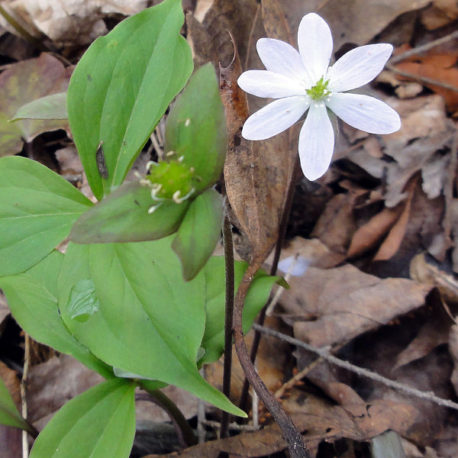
x=379 y=232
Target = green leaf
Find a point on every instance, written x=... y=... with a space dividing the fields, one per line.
x=122 y=86
x=52 y=106
x=20 y=84
x=257 y=296
x=37 y=210
x=149 y=321
x=199 y=232
x=32 y=298
x=123 y=217
x=99 y=423
x=9 y=415
x=196 y=127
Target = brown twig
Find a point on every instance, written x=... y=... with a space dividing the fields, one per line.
x=229 y=267
x=423 y=48
x=290 y=433
x=273 y=270
x=323 y=353
x=422 y=79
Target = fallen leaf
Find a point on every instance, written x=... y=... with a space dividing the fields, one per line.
x=440 y=67
x=393 y=240
x=432 y=334
x=336 y=225
x=427 y=271
x=53 y=383
x=439 y=14
x=69 y=23
x=369 y=235
x=21 y=83
x=256 y=174
x=359 y=21
x=345 y=302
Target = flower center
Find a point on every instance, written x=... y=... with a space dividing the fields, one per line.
x=320 y=90
x=171 y=180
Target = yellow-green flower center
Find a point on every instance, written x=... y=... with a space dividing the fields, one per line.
x=320 y=90
x=171 y=180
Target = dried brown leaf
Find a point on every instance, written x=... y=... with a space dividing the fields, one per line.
x=319 y=420
x=256 y=174
x=391 y=244
x=336 y=225
x=274 y=21
x=345 y=302
x=440 y=67
x=370 y=234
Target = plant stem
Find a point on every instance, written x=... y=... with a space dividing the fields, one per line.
x=229 y=265
x=290 y=433
x=243 y=404
x=184 y=431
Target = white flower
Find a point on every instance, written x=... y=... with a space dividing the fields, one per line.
x=303 y=80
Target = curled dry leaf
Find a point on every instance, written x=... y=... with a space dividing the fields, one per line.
x=69 y=23
x=345 y=302
x=256 y=174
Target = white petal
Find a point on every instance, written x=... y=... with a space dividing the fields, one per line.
x=274 y=118
x=365 y=113
x=269 y=84
x=315 y=46
x=358 y=66
x=316 y=142
x=280 y=57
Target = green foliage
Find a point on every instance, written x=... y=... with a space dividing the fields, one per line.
x=149 y=321
x=37 y=210
x=52 y=106
x=122 y=86
x=199 y=232
x=32 y=298
x=9 y=415
x=99 y=423
x=123 y=217
x=258 y=294
x=196 y=127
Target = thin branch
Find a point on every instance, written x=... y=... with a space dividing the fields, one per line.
x=429 y=396
x=185 y=434
x=290 y=433
x=423 y=48
x=422 y=79
x=229 y=267
x=273 y=270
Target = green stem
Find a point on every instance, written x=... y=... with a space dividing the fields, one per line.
x=184 y=431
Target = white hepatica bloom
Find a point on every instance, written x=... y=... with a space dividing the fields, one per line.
x=303 y=80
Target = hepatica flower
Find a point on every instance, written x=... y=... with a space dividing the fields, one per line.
x=304 y=82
